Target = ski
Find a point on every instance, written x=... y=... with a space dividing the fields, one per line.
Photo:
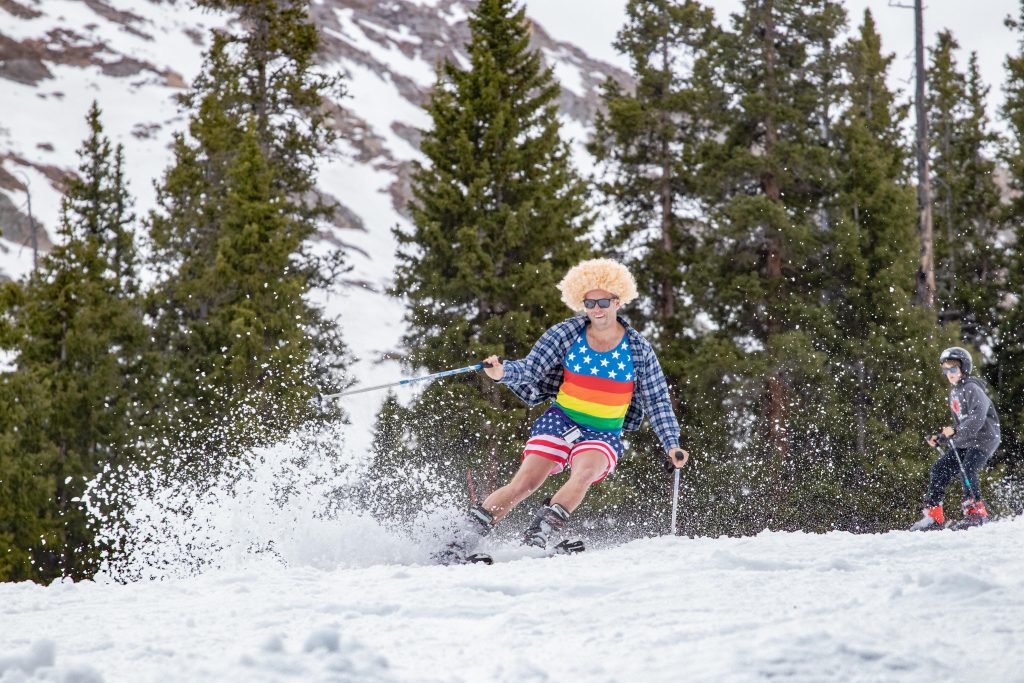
x=564 y=547
x=567 y=547
x=478 y=558
x=958 y=525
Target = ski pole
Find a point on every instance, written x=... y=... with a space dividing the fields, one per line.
x=963 y=472
x=675 y=501
x=436 y=375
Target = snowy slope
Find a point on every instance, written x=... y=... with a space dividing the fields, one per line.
x=944 y=606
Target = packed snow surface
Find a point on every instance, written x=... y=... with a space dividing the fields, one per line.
x=902 y=606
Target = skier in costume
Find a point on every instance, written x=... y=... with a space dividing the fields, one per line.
x=601 y=377
x=974 y=437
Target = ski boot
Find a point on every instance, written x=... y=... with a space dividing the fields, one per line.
x=467 y=535
x=975 y=514
x=549 y=518
x=932 y=519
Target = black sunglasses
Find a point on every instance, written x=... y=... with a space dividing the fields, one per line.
x=603 y=303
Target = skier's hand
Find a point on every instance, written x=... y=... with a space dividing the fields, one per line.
x=493 y=367
x=677 y=457
x=932 y=440
x=948 y=432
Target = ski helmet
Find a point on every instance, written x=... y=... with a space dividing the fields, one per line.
x=957 y=353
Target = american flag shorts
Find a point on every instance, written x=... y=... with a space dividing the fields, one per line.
x=546 y=440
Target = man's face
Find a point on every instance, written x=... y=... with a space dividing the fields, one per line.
x=600 y=306
x=951 y=369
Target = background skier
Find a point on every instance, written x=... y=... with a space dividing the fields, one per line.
x=973 y=438
x=601 y=377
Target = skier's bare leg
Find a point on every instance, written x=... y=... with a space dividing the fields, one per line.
x=587 y=466
x=532 y=473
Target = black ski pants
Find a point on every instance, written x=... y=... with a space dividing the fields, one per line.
x=946 y=468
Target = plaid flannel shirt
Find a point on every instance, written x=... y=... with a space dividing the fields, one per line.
x=538 y=377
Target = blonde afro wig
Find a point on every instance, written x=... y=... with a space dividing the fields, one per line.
x=598 y=273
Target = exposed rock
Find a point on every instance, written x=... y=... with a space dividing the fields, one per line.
x=173 y=79
x=144 y=131
x=56 y=175
x=341 y=216
x=411 y=134
x=195 y=36
x=401 y=189
x=126 y=19
x=19 y=10
x=25 y=61
x=15 y=226
x=8 y=181
x=124 y=67
x=368 y=144
x=21 y=64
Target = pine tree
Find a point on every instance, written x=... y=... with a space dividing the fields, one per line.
x=238 y=338
x=27 y=514
x=647 y=144
x=1009 y=349
x=79 y=336
x=969 y=260
x=767 y=177
x=882 y=354
x=499 y=216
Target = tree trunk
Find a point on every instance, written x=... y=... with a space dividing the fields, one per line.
x=926 y=269
x=775 y=390
x=668 y=303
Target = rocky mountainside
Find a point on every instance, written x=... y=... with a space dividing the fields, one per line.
x=133 y=56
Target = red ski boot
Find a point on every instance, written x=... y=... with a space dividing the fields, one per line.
x=931 y=519
x=975 y=514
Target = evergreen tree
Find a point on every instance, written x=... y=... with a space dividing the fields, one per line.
x=968 y=257
x=882 y=353
x=238 y=339
x=767 y=177
x=1009 y=348
x=647 y=144
x=78 y=335
x=27 y=513
x=499 y=216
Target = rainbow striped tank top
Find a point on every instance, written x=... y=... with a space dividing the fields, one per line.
x=597 y=386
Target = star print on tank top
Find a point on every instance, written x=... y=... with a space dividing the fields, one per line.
x=597 y=386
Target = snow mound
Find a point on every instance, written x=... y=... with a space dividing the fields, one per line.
x=38 y=664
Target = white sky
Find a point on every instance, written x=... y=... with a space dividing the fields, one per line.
x=977 y=25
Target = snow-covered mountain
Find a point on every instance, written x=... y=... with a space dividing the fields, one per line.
x=134 y=56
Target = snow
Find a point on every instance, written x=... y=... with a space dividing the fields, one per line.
x=418 y=70
x=943 y=606
x=567 y=74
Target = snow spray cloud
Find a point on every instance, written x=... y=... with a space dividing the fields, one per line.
x=305 y=501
